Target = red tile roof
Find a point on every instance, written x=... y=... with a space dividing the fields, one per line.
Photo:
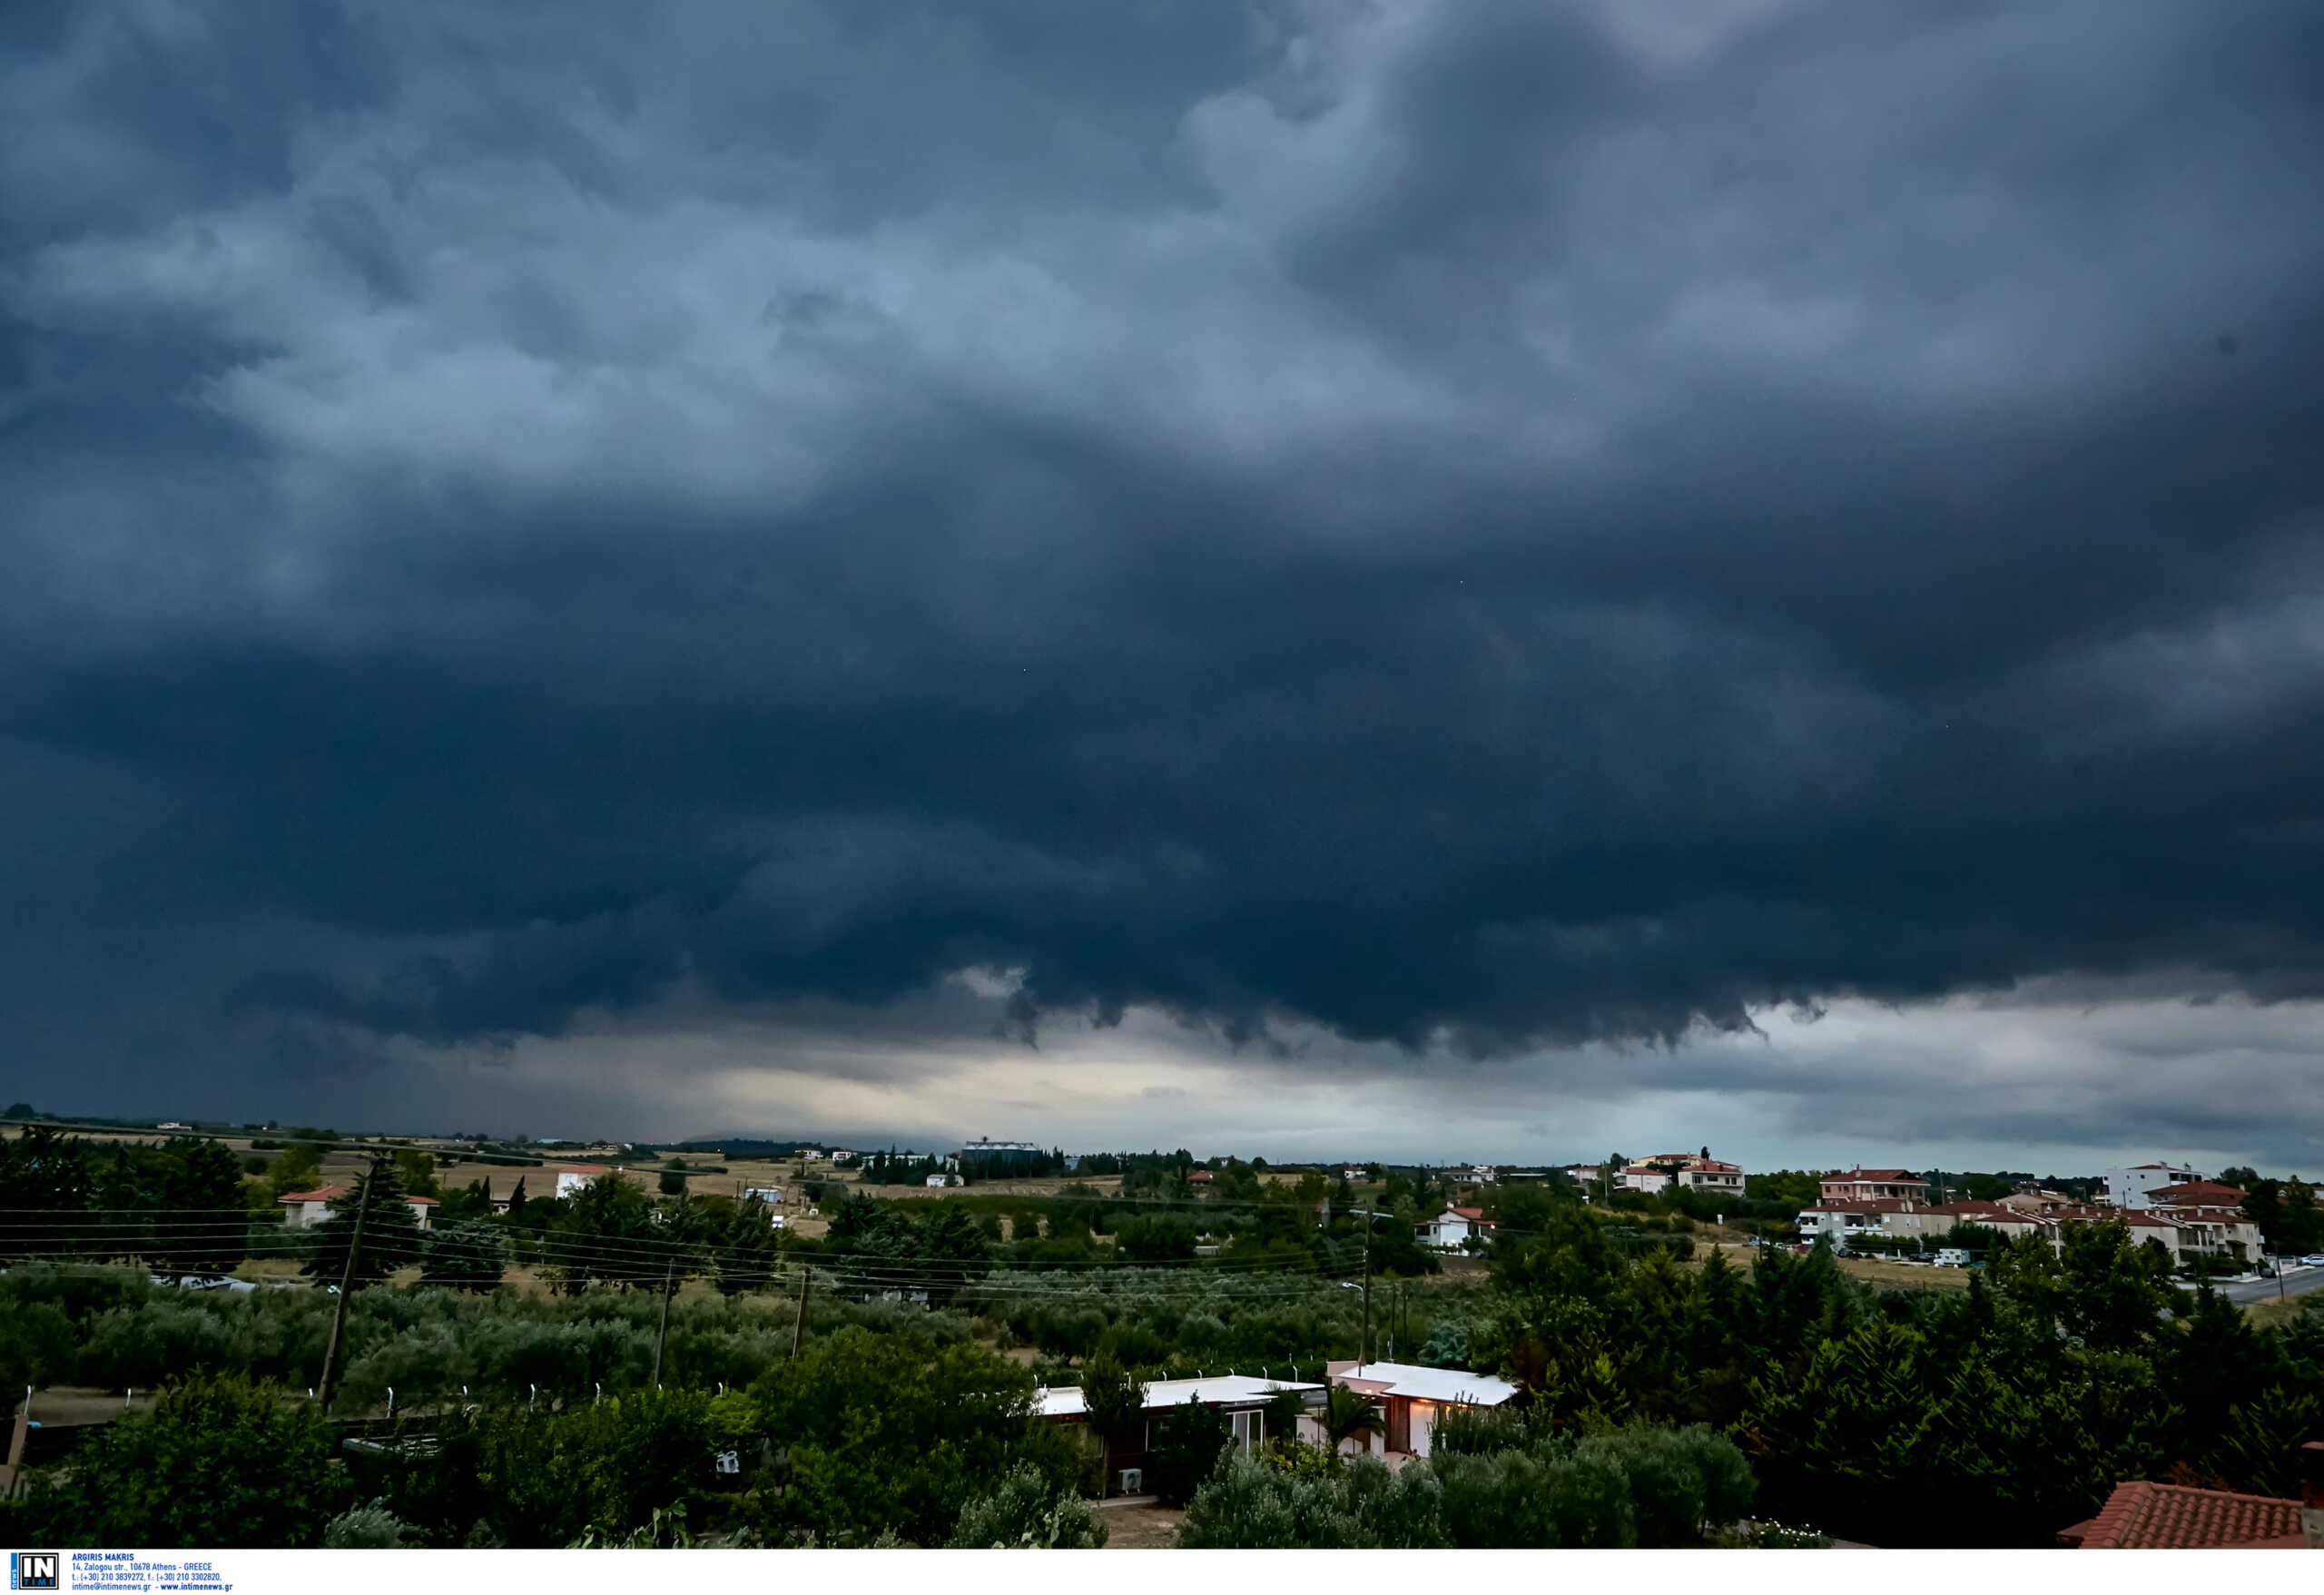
x=2198 y=1193
x=1980 y=1213
x=1470 y=1213
x=1877 y=1176
x=2156 y=1517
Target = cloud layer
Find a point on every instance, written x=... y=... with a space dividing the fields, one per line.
x=1472 y=529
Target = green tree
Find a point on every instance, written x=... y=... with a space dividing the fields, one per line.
x=544 y=1478
x=1114 y=1399
x=2301 y=1227
x=1348 y=1414
x=297 y=1167
x=48 y=1180
x=217 y=1461
x=879 y=1433
x=1188 y=1440
x=471 y=1256
x=416 y=1170
x=744 y=1248
x=608 y=1234
x=38 y=1347
x=200 y=1183
x=391 y=1237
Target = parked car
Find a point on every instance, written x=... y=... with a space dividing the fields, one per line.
x=2313 y=1260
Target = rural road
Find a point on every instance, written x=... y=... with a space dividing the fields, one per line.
x=2297 y=1282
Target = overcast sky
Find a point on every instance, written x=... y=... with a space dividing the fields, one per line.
x=1486 y=580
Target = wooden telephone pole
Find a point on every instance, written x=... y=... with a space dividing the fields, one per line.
x=328 y=1387
x=799 y=1324
x=662 y=1336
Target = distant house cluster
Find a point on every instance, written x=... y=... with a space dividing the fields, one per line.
x=1689 y=1171
x=2189 y=1217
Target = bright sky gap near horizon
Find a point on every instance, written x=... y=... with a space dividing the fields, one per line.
x=1414 y=580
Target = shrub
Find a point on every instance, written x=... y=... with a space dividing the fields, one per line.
x=1534 y=1499
x=1027 y=1512
x=370 y=1527
x=222 y=1463
x=1677 y=1479
x=544 y=1478
x=1247 y=1506
x=470 y=1256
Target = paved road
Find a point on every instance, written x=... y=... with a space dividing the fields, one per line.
x=2297 y=1282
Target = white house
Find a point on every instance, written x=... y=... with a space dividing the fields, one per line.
x=938 y=1181
x=1245 y=1399
x=2210 y=1218
x=570 y=1181
x=1413 y=1399
x=1874 y=1184
x=2131 y=1187
x=306 y=1209
x=1712 y=1175
x=1836 y=1221
x=1450 y=1230
x=811 y=1155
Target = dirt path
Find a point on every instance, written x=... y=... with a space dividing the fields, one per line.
x=1140 y=1528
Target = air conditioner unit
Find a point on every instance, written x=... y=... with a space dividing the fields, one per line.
x=1133 y=1481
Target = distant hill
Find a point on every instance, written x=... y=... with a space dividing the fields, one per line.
x=743 y=1147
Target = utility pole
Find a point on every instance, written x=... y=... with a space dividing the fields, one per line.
x=1364 y=1351
x=662 y=1336
x=799 y=1324
x=328 y=1387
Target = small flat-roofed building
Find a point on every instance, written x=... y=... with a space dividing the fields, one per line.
x=1413 y=1399
x=1244 y=1398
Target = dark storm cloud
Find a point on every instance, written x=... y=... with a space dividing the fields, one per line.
x=1507 y=525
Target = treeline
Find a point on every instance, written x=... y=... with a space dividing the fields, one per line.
x=114 y=1329
x=884 y=1438
x=2002 y=1412
x=1486 y=1487
x=179 y=1202
x=869 y=1437
x=1082 y=1228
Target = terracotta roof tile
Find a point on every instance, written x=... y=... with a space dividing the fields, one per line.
x=2141 y=1516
